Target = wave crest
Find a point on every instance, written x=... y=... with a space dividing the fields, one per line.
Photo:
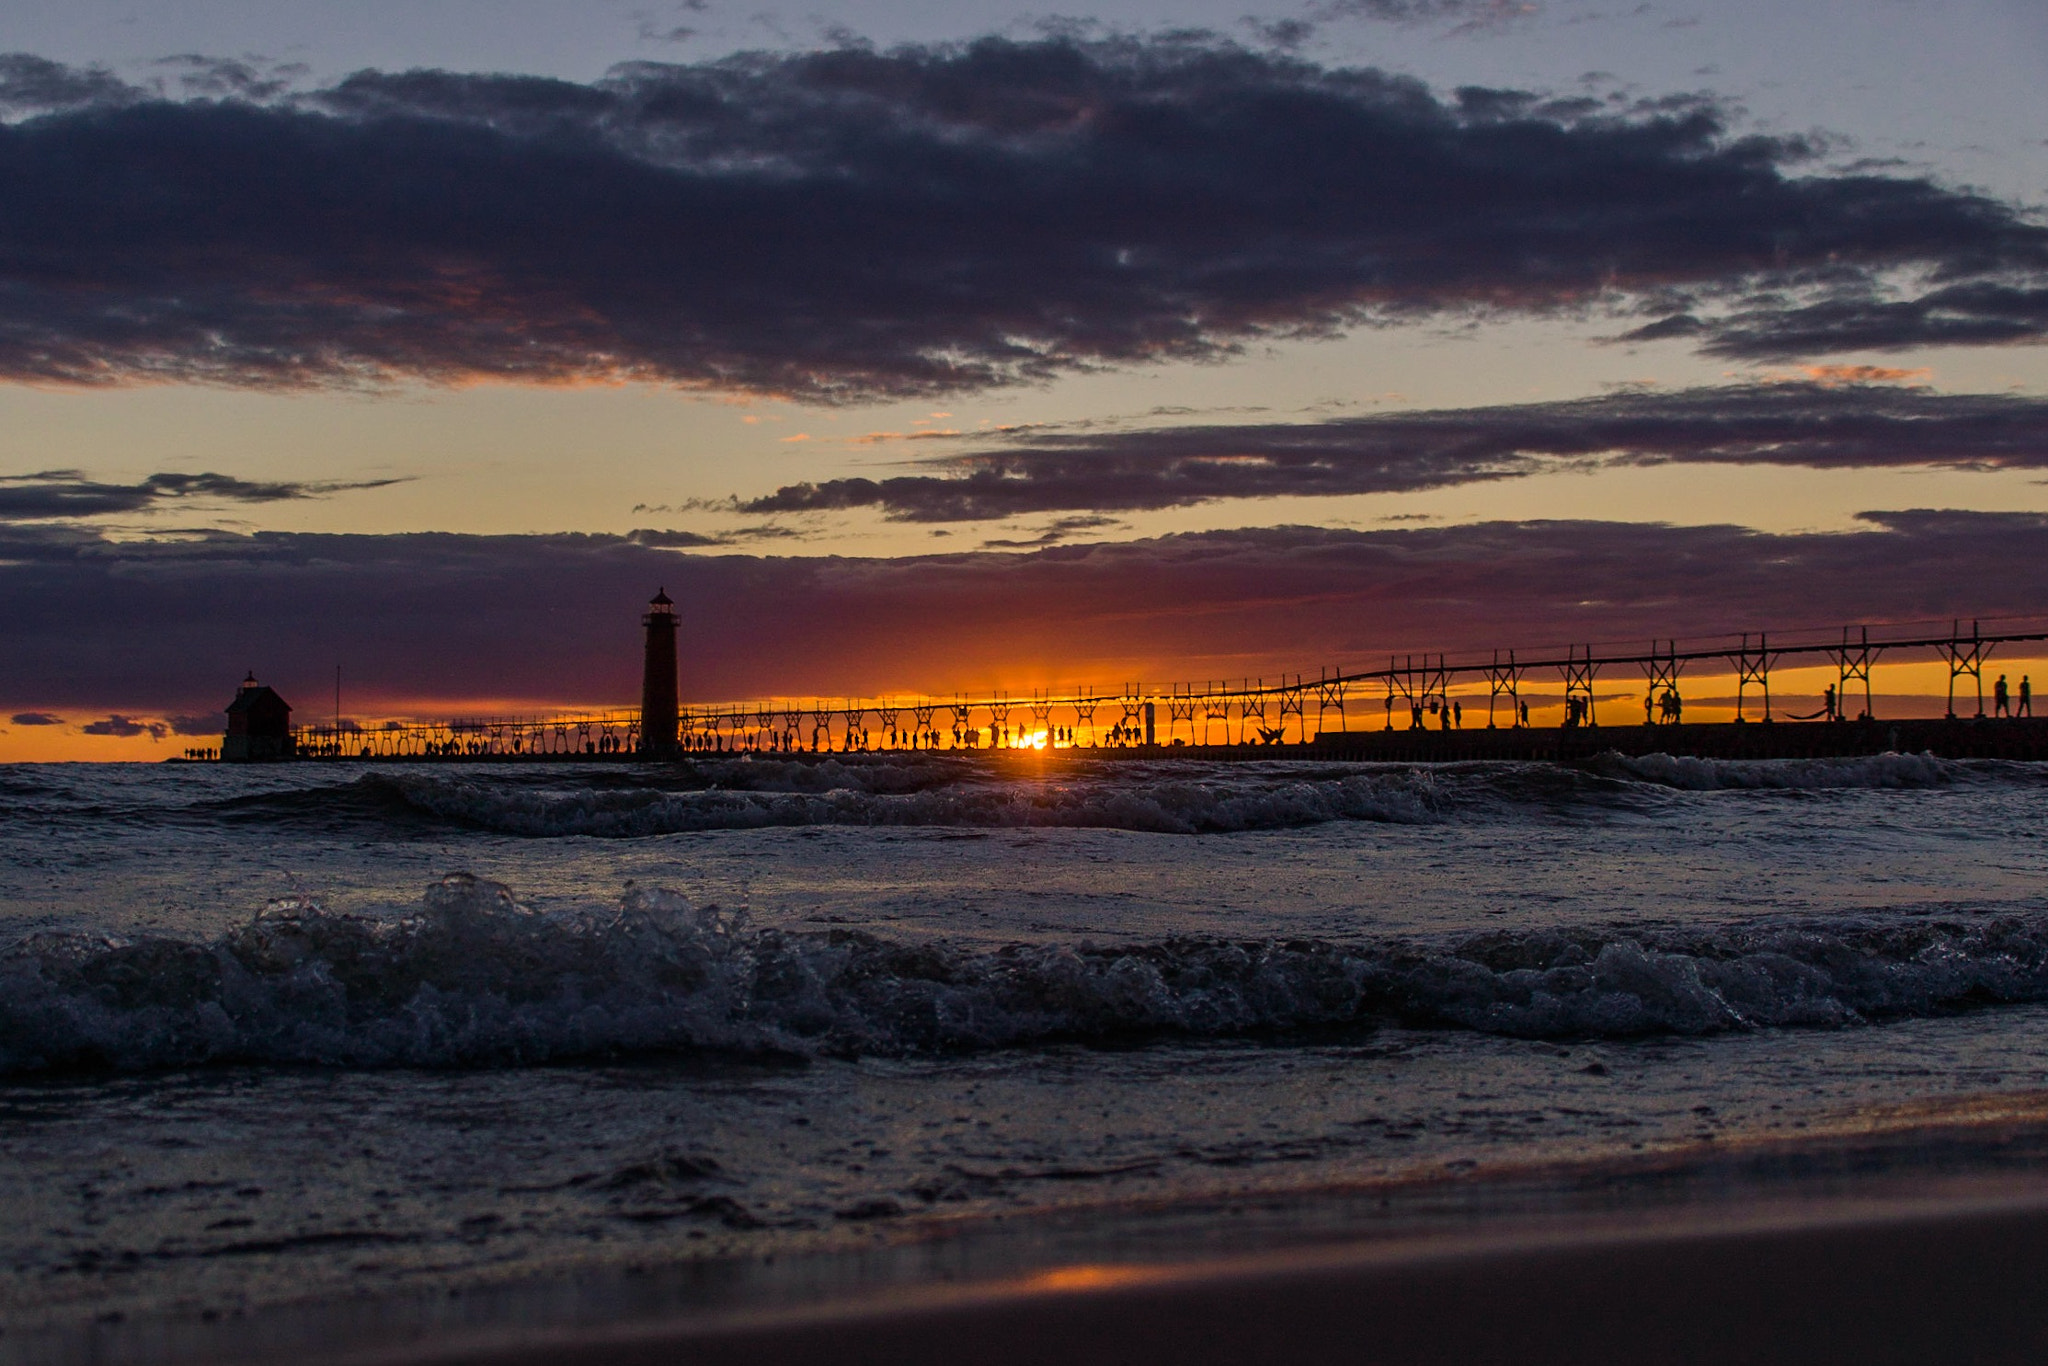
x=473 y=978
x=1162 y=803
x=1166 y=796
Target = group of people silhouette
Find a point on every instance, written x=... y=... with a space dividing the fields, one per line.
x=2001 y=698
x=1449 y=714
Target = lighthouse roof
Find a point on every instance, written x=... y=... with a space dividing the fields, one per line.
x=253 y=696
x=661 y=599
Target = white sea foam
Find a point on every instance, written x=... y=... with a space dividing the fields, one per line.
x=475 y=979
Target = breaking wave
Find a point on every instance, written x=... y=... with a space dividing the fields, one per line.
x=472 y=978
x=1165 y=803
x=1164 y=796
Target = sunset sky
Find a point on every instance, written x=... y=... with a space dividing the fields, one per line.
x=918 y=347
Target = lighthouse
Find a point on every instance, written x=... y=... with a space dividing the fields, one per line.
x=658 y=691
x=259 y=725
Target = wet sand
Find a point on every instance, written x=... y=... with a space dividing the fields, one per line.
x=1922 y=1281
x=1911 y=1234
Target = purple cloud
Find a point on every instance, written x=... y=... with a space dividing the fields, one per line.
x=56 y=494
x=853 y=223
x=1822 y=425
x=125 y=727
x=414 y=618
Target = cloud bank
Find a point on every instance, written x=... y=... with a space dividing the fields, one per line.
x=134 y=629
x=1816 y=424
x=60 y=494
x=854 y=224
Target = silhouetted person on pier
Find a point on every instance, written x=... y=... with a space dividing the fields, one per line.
x=1458 y=715
x=2026 y=707
x=1649 y=706
x=1828 y=709
x=2001 y=700
x=1525 y=714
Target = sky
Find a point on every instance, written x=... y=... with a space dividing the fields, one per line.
x=918 y=348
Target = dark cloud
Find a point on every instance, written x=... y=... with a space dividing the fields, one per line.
x=1057 y=532
x=852 y=223
x=148 y=629
x=1816 y=423
x=68 y=493
x=1465 y=15
x=36 y=718
x=695 y=540
x=125 y=727
x=228 y=78
x=1977 y=313
x=211 y=724
x=1284 y=33
x=673 y=540
x=37 y=85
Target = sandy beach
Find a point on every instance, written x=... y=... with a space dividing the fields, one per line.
x=1865 y=1281
x=1912 y=1235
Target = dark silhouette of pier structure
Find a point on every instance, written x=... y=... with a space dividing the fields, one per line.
x=1426 y=706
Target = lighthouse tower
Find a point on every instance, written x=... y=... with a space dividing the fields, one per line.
x=658 y=691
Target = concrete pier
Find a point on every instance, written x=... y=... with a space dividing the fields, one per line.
x=2025 y=739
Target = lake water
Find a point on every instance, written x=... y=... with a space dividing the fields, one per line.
x=340 y=1034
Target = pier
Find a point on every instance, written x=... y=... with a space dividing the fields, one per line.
x=1989 y=738
x=1424 y=707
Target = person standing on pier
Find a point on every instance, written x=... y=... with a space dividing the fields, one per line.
x=2026 y=707
x=2001 y=700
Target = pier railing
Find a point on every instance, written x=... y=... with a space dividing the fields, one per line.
x=600 y=734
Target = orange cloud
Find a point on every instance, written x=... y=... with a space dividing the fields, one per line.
x=1832 y=375
x=878 y=438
